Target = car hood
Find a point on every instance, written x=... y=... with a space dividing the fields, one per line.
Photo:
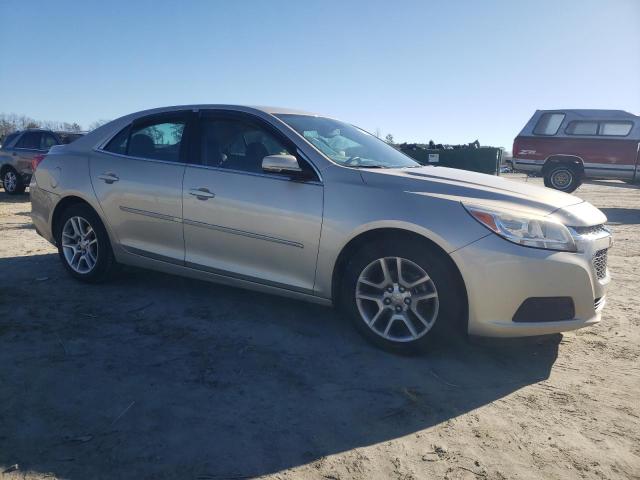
x=472 y=188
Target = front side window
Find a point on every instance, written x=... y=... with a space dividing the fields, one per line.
x=30 y=140
x=621 y=129
x=582 y=128
x=345 y=144
x=549 y=124
x=237 y=144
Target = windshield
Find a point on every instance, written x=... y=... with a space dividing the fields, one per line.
x=345 y=144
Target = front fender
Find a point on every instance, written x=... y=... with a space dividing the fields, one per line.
x=443 y=221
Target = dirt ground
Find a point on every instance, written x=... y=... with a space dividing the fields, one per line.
x=154 y=376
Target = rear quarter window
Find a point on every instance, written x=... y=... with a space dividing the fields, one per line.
x=9 y=139
x=549 y=123
x=620 y=129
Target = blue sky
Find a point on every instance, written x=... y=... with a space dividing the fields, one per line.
x=451 y=71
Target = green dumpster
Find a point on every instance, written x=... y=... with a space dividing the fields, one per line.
x=482 y=159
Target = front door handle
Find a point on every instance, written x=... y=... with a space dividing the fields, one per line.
x=202 y=193
x=109 y=177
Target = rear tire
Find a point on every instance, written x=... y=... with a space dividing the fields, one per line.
x=402 y=314
x=563 y=177
x=12 y=182
x=83 y=245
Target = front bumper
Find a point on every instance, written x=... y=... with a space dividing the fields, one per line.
x=500 y=276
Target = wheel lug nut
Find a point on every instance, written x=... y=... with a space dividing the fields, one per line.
x=387 y=301
x=398 y=309
x=389 y=289
x=401 y=289
x=407 y=300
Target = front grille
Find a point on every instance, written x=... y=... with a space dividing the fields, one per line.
x=591 y=230
x=600 y=263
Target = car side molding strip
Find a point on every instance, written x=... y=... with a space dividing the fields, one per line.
x=243 y=233
x=146 y=213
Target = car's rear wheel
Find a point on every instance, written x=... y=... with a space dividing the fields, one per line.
x=562 y=177
x=83 y=244
x=12 y=182
x=399 y=295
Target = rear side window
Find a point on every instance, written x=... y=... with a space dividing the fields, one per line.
x=30 y=140
x=621 y=129
x=160 y=139
x=118 y=144
x=47 y=141
x=582 y=128
x=549 y=124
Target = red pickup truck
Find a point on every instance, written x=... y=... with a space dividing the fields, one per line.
x=566 y=146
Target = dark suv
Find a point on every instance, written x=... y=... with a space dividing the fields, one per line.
x=18 y=151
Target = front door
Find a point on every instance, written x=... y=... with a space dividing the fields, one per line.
x=242 y=222
x=137 y=178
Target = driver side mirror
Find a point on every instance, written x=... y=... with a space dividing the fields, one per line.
x=287 y=164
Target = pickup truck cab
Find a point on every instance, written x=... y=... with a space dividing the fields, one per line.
x=567 y=146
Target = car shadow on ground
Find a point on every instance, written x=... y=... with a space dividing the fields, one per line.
x=17 y=198
x=622 y=216
x=613 y=183
x=155 y=376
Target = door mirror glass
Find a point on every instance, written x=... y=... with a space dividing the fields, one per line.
x=287 y=164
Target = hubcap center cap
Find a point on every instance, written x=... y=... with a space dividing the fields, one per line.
x=398 y=298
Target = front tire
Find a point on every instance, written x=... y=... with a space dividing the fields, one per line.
x=83 y=245
x=401 y=294
x=12 y=182
x=562 y=177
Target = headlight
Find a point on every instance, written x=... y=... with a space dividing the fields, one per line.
x=525 y=229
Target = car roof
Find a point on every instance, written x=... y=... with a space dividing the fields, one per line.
x=256 y=108
x=592 y=113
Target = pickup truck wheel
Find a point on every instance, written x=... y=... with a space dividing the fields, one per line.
x=12 y=182
x=562 y=177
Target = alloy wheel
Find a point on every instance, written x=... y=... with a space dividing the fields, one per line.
x=10 y=181
x=80 y=245
x=397 y=299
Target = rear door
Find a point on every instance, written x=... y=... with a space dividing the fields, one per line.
x=242 y=222
x=137 y=178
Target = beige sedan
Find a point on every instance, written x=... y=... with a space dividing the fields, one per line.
x=313 y=208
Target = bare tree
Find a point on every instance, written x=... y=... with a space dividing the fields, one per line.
x=97 y=123
x=389 y=139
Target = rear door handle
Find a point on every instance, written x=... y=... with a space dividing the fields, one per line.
x=201 y=193
x=109 y=177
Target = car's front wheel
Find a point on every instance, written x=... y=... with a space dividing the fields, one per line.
x=398 y=295
x=12 y=182
x=83 y=244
